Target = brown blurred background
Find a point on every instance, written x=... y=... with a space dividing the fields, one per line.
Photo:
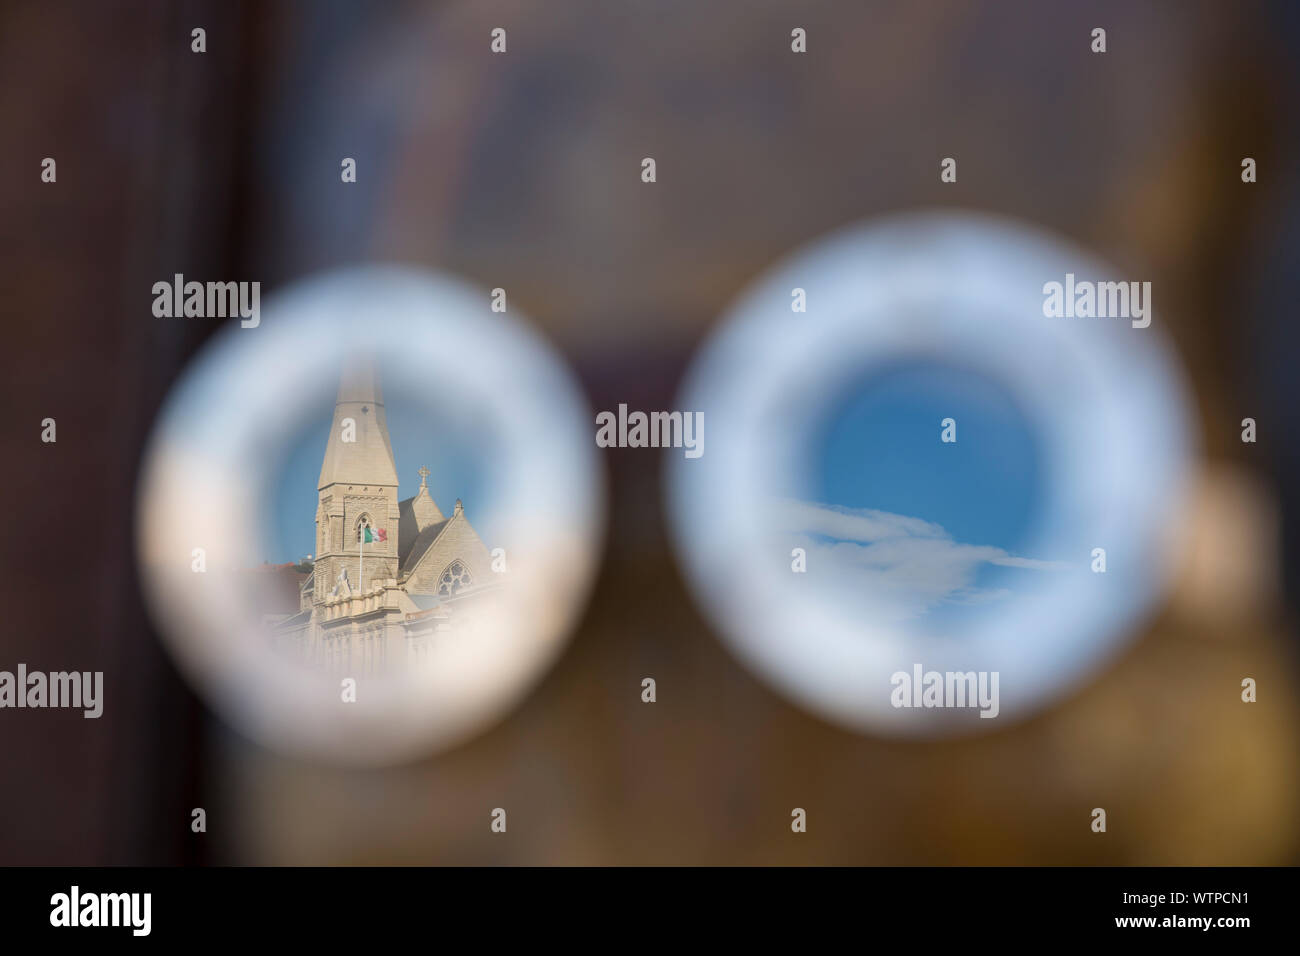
x=522 y=171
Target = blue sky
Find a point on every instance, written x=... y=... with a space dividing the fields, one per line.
x=939 y=526
x=881 y=450
x=454 y=451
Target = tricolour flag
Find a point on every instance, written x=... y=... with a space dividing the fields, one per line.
x=375 y=534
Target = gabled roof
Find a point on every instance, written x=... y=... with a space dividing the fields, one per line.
x=415 y=514
x=422 y=543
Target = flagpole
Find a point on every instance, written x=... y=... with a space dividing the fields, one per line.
x=361 y=559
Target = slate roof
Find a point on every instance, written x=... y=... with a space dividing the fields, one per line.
x=422 y=543
x=302 y=617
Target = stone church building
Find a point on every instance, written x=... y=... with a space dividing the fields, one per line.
x=389 y=575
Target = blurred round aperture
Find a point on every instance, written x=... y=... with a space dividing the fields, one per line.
x=920 y=472
x=366 y=525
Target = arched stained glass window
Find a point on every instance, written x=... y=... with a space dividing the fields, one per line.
x=454 y=578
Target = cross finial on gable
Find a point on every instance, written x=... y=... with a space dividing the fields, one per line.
x=424 y=475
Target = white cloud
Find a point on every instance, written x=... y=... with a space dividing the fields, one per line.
x=900 y=566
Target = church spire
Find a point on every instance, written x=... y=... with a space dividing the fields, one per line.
x=359 y=383
x=359 y=450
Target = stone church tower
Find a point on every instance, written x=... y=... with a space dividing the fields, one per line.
x=357 y=487
x=424 y=581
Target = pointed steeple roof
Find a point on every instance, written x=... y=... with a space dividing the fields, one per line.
x=369 y=459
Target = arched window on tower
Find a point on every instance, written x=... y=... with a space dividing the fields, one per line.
x=454 y=578
x=362 y=523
